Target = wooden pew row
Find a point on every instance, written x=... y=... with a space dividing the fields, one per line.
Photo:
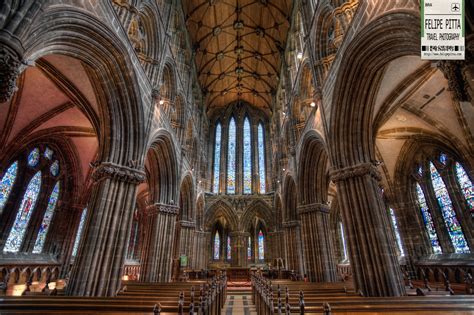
x=269 y=300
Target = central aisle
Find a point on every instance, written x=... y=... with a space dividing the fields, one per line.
x=239 y=302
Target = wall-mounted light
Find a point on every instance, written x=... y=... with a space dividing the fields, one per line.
x=284 y=169
x=299 y=55
x=161 y=102
x=312 y=104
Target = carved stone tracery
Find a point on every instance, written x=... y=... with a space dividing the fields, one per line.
x=103 y=170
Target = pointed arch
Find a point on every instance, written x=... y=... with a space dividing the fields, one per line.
x=232 y=156
x=261 y=158
x=217 y=158
x=220 y=208
x=247 y=156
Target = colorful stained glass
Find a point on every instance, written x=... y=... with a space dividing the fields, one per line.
x=420 y=170
x=466 y=186
x=217 y=246
x=247 y=157
x=229 y=249
x=249 y=249
x=443 y=158
x=428 y=220
x=397 y=233
x=231 y=161
x=17 y=232
x=261 y=159
x=261 y=246
x=6 y=184
x=48 y=153
x=34 y=157
x=343 y=238
x=48 y=215
x=54 y=168
x=217 y=159
x=452 y=224
x=79 y=232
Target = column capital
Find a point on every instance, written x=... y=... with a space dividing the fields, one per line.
x=162 y=208
x=314 y=207
x=11 y=65
x=357 y=170
x=291 y=224
x=187 y=224
x=452 y=71
x=130 y=174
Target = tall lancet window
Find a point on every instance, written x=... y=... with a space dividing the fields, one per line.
x=343 y=239
x=428 y=220
x=79 y=232
x=17 y=233
x=217 y=246
x=397 y=233
x=231 y=160
x=229 y=249
x=217 y=159
x=6 y=184
x=449 y=216
x=48 y=216
x=247 y=157
x=466 y=186
x=261 y=245
x=261 y=159
x=249 y=248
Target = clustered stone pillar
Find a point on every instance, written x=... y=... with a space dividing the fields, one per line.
x=200 y=250
x=98 y=266
x=317 y=246
x=186 y=241
x=293 y=254
x=372 y=252
x=157 y=252
x=274 y=246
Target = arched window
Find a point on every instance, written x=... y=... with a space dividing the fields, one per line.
x=48 y=215
x=261 y=158
x=229 y=249
x=34 y=157
x=217 y=158
x=217 y=246
x=452 y=224
x=466 y=186
x=249 y=248
x=231 y=160
x=428 y=220
x=79 y=232
x=6 y=184
x=247 y=157
x=261 y=245
x=397 y=233
x=343 y=240
x=17 y=233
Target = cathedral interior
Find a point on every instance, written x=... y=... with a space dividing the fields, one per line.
x=276 y=156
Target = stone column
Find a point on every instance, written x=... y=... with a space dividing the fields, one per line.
x=99 y=262
x=158 y=251
x=372 y=254
x=293 y=248
x=200 y=250
x=316 y=241
x=186 y=241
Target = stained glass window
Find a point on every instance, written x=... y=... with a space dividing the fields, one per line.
x=34 y=157
x=6 y=184
x=217 y=159
x=48 y=153
x=261 y=247
x=343 y=238
x=261 y=159
x=449 y=216
x=443 y=158
x=48 y=215
x=17 y=233
x=79 y=232
x=231 y=162
x=466 y=186
x=54 y=168
x=229 y=249
x=397 y=233
x=247 y=157
x=217 y=245
x=420 y=170
x=249 y=249
x=430 y=228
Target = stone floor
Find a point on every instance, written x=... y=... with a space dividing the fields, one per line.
x=239 y=303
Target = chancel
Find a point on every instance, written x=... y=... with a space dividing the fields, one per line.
x=233 y=156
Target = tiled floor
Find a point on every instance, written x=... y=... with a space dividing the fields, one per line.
x=239 y=304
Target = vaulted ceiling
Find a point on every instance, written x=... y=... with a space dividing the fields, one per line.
x=238 y=46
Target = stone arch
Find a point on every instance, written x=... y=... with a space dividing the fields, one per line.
x=220 y=208
x=290 y=199
x=168 y=88
x=313 y=179
x=121 y=136
x=257 y=209
x=162 y=170
x=186 y=199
